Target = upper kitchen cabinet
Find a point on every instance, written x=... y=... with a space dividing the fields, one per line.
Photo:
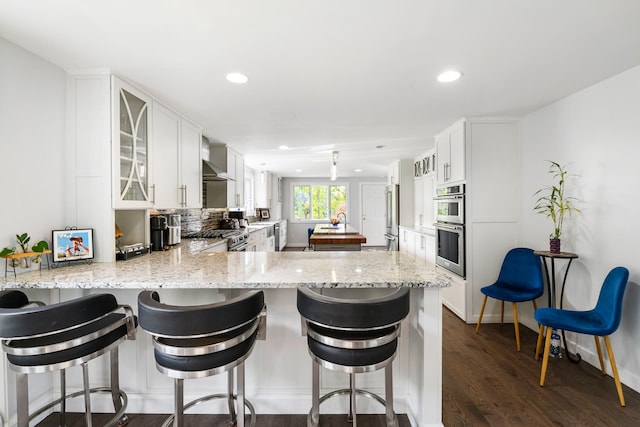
x=132 y=188
x=450 y=154
x=176 y=161
x=424 y=174
x=228 y=193
x=268 y=194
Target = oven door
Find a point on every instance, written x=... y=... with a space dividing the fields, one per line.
x=450 y=209
x=450 y=248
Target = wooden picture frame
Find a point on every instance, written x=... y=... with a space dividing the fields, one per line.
x=264 y=214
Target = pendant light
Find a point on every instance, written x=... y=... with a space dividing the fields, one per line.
x=334 y=167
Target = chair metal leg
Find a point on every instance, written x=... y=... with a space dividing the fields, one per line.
x=599 y=349
x=614 y=368
x=315 y=394
x=240 y=372
x=178 y=396
x=230 y=402
x=388 y=395
x=515 y=325
x=545 y=358
x=352 y=400
x=484 y=302
x=539 y=341
x=115 y=379
x=22 y=394
x=87 y=394
x=63 y=394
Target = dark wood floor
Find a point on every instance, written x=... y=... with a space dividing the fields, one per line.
x=486 y=382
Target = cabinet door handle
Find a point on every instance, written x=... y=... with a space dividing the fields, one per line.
x=153 y=194
x=183 y=195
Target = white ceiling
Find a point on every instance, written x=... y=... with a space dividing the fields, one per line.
x=344 y=75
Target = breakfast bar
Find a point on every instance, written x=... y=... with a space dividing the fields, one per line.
x=279 y=371
x=338 y=237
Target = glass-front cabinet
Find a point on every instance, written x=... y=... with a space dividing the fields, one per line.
x=131 y=147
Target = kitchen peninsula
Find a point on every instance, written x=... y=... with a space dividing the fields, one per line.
x=279 y=373
x=339 y=237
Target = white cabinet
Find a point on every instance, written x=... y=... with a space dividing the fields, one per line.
x=424 y=214
x=425 y=248
x=131 y=147
x=229 y=193
x=407 y=242
x=176 y=161
x=282 y=242
x=450 y=154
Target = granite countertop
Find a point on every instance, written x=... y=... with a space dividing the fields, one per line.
x=184 y=266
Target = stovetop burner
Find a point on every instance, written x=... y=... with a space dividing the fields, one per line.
x=212 y=234
x=236 y=239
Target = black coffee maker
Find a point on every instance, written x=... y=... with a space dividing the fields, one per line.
x=158 y=227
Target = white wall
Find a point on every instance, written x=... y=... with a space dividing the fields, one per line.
x=32 y=120
x=596 y=133
x=297 y=230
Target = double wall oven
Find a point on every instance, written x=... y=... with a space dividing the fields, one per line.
x=450 y=228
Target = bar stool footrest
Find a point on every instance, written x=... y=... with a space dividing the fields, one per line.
x=360 y=392
x=119 y=419
x=195 y=402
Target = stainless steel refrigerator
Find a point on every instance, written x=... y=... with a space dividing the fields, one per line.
x=392 y=215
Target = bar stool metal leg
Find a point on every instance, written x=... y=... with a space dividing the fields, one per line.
x=314 y=419
x=179 y=402
x=388 y=396
x=352 y=400
x=230 y=402
x=63 y=394
x=22 y=391
x=240 y=369
x=87 y=394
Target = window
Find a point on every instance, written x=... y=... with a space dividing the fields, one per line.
x=319 y=202
x=249 y=194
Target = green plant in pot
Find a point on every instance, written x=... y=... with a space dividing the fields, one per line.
x=554 y=203
x=23 y=240
x=39 y=247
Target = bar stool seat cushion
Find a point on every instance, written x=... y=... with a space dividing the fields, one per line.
x=352 y=357
x=205 y=361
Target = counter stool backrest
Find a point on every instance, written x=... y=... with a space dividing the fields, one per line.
x=354 y=313
x=197 y=320
x=17 y=322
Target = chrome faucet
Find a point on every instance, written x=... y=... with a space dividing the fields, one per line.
x=344 y=215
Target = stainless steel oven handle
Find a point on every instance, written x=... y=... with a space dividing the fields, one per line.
x=447 y=226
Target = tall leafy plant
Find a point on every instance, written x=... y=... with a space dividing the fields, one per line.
x=552 y=200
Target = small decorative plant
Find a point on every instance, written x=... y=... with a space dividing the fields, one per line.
x=39 y=247
x=23 y=241
x=554 y=203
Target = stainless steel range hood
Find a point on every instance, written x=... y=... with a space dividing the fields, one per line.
x=211 y=172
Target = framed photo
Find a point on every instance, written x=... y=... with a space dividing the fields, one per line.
x=72 y=245
x=264 y=214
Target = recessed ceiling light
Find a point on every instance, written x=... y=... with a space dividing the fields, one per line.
x=449 y=76
x=283 y=147
x=358 y=170
x=238 y=78
x=298 y=170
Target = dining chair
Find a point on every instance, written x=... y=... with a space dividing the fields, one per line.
x=520 y=279
x=601 y=321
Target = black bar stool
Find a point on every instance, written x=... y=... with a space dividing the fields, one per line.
x=204 y=340
x=44 y=338
x=352 y=334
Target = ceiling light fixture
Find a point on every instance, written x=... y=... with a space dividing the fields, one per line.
x=334 y=166
x=283 y=147
x=357 y=170
x=237 y=78
x=449 y=76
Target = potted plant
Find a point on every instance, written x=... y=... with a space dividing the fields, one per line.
x=39 y=247
x=23 y=240
x=554 y=203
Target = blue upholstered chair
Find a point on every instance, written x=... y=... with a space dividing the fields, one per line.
x=601 y=321
x=520 y=280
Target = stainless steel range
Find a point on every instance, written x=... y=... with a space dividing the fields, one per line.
x=237 y=240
